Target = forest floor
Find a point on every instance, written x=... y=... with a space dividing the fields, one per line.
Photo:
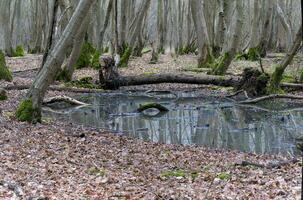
x=60 y=160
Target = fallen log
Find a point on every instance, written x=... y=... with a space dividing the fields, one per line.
x=226 y=81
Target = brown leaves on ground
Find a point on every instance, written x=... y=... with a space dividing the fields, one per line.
x=59 y=160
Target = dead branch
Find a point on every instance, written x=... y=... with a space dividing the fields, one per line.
x=66 y=99
x=273 y=96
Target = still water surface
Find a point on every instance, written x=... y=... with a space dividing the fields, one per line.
x=204 y=121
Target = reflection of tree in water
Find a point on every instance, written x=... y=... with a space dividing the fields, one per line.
x=245 y=128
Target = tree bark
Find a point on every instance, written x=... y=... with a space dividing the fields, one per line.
x=277 y=76
x=201 y=32
x=30 y=109
x=227 y=81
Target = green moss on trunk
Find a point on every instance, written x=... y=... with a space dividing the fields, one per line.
x=19 y=51
x=275 y=80
x=253 y=54
x=125 y=57
x=89 y=57
x=27 y=113
x=219 y=66
x=5 y=74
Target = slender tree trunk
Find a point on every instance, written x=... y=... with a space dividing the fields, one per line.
x=277 y=76
x=106 y=22
x=76 y=51
x=201 y=32
x=30 y=109
x=228 y=56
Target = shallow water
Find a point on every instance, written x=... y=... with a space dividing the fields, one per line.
x=204 y=121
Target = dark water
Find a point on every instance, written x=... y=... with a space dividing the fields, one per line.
x=204 y=121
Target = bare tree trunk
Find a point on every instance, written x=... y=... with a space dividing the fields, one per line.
x=30 y=109
x=138 y=21
x=69 y=69
x=226 y=59
x=201 y=32
x=106 y=22
x=264 y=40
x=278 y=74
x=5 y=20
x=51 y=33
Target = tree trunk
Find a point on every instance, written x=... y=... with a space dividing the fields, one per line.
x=277 y=76
x=69 y=69
x=201 y=32
x=105 y=25
x=30 y=109
x=226 y=59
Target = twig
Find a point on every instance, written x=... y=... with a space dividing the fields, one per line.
x=273 y=96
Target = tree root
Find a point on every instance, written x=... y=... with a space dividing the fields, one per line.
x=269 y=165
x=13 y=187
x=273 y=96
x=66 y=99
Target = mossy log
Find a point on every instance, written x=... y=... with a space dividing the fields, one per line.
x=152 y=105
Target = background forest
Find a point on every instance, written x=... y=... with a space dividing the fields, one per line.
x=151 y=99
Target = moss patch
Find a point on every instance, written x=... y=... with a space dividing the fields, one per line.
x=125 y=57
x=188 y=49
x=224 y=176
x=178 y=173
x=89 y=57
x=253 y=54
x=19 y=51
x=5 y=74
x=3 y=95
x=218 y=65
x=275 y=80
x=26 y=112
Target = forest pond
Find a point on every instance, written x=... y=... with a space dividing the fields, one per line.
x=270 y=127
